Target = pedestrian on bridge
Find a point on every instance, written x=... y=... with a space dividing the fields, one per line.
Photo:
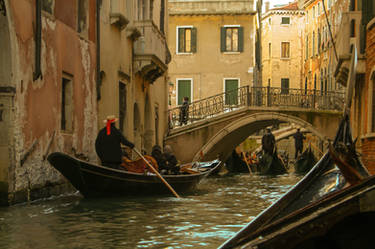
x=184 y=111
x=298 y=142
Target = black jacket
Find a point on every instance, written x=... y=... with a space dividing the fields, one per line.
x=108 y=147
x=298 y=139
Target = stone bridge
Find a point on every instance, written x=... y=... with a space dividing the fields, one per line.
x=220 y=131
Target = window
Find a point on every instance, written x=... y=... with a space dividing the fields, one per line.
x=307 y=47
x=231 y=39
x=285 y=51
x=269 y=50
x=231 y=91
x=285 y=20
x=184 y=89
x=67 y=103
x=313 y=45
x=82 y=16
x=284 y=86
x=186 y=40
x=122 y=105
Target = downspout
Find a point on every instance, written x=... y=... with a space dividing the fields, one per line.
x=38 y=39
x=98 y=77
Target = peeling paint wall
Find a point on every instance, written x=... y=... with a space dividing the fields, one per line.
x=37 y=104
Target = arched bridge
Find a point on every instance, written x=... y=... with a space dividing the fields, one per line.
x=216 y=125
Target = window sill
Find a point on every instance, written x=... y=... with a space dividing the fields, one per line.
x=368 y=136
x=285 y=58
x=184 y=53
x=231 y=52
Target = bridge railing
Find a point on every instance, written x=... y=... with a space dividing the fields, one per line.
x=257 y=96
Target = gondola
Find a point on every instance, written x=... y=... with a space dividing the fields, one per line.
x=270 y=164
x=97 y=181
x=305 y=162
x=316 y=207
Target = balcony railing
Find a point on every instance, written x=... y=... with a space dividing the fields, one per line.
x=258 y=97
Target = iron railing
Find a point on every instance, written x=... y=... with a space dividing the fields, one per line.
x=258 y=97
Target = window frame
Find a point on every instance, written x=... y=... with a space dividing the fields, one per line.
x=191 y=89
x=284 y=88
x=285 y=24
x=238 y=26
x=224 y=80
x=281 y=50
x=178 y=38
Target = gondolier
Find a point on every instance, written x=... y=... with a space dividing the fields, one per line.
x=298 y=142
x=268 y=142
x=108 y=143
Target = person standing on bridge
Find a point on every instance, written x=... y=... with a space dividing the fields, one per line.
x=184 y=111
x=268 y=142
x=298 y=142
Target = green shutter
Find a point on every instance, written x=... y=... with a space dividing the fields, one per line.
x=223 y=46
x=240 y=39
x=194 y=40
x=231 y=96
x=184 y=90
x=181 y=40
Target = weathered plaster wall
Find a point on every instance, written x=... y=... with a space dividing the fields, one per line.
x=38 y=103
x=208 y=66
x=273 y=32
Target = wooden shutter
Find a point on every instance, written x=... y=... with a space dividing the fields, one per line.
x=231 y=96
x=240 y=39
x=181 y=40
x=223 y=46
x=284 y=86
x=184 y=90
x=194 y=40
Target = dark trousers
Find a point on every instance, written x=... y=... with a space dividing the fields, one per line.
x=298 y=149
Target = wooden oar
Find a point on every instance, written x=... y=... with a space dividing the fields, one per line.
x=157 y=173
x=247 y=163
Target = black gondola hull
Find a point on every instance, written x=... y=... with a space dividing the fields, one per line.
x=95 y=180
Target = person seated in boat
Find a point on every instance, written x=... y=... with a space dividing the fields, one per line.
x=160 y=159
x=298 y=142
x=171 y=160
x=108 y=144
x=268 y=142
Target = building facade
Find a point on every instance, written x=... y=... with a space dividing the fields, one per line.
x=47 y=92
x=212 y=47
x=282 y=47
x=134 y=57
x=320 y=58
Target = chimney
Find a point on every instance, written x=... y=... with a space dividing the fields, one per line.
x=267 y=6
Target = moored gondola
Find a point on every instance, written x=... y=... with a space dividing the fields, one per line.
x=318 y=198
x=305 y=162
x=95 y=180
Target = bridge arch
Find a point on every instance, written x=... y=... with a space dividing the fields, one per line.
x=224 y=141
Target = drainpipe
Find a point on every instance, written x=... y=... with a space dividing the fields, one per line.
x=38 y=39
x=98 y=77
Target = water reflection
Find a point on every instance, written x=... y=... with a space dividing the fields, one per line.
x=204 y=219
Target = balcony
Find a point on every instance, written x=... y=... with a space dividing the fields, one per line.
x=151 y=52
x=348 y=35
x=118 y=14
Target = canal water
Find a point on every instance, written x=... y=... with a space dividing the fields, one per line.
x=204 y=219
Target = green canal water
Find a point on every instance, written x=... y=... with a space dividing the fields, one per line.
x=205 y=219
